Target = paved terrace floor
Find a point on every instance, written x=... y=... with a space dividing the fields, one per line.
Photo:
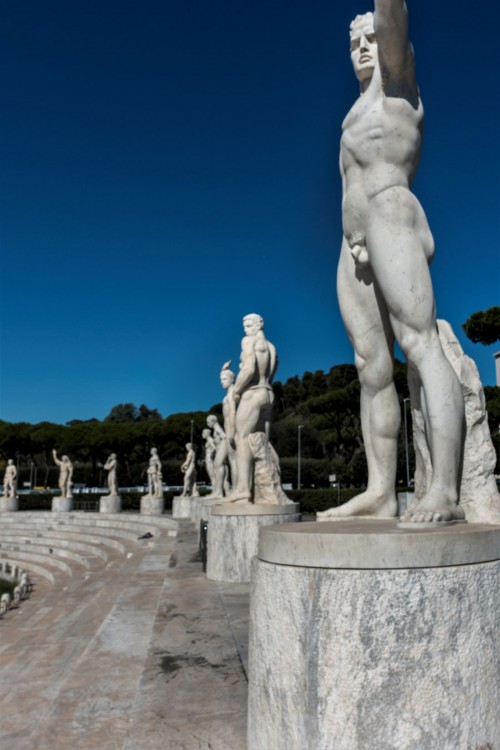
x=137 y=652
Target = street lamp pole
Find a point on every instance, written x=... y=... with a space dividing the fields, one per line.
x=406 y=443
x=298 y=454
x=192 y=429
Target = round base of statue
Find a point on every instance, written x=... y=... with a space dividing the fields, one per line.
x=9 y=504
x=233 y=536
x=152 y=506
x=182 y=507
x=62 y=504
x=110 y=504
x=363 y=635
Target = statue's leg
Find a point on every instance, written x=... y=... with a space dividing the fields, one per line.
x=400 y=242
x=248 y=419
x=366 y=320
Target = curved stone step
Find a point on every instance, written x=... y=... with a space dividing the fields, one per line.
x=53 y=540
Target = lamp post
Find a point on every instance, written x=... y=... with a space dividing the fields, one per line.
x=192 y=428
x=405 y=401
x=299 y=432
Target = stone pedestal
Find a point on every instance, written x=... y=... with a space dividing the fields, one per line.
x=110 y=504
x=233 y=536
x=363 y=635
x=62 y=504
x=196 y=510
x=9 y=504
x=182 y=507
x=152 y=506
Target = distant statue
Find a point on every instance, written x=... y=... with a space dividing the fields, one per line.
x=247 y=411
x=220 y=484
x=384 y=286
x=209 y=453
x=155 y=477
x=111 y=467
x=65 y=475
x=189 y=470
x=227 y=378
x=9 y=480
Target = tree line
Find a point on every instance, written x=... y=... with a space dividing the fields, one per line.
x=324 y=404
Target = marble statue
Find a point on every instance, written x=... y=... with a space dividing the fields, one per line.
x=189 y=470
x=9 y=480
x=111 y=466
x=65 y=475
x=220 y=484
x=252 y=397
x=210 y=451
x=227 y=379
x=155 y=485
x=384 y=285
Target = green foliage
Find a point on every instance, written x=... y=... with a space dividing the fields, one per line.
x=483 y=327
x=326 y=405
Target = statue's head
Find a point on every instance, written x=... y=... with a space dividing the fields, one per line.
x=113 y=456
x=227 y=376
x=363 y=46
x=11 y=462
x=211 y=420
x=189 y=446
x=205 y=434
x=65 y=459
x=154 y=451
x=252 y=324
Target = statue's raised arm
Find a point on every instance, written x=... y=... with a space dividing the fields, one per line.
x=395 y=53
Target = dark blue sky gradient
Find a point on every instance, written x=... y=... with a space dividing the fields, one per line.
x=167 y=167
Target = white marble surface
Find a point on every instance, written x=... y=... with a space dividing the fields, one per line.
x=182 y=507
x=152 y=506
x=110 y=504
x=479 y=496
x=374 y=659
x=9 y=503
x=62 y=504
x=384 y=286
x=233 y=537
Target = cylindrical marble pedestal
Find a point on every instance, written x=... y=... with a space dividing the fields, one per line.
x=182 y=507
x=364 y=636
x=233 y=536
x=152 y=506
x=110 y=504
x=9 y=504
x=62 y=504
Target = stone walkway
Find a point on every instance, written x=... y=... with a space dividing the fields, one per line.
x=138 y=652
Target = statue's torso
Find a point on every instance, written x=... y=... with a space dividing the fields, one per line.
x=380 y=148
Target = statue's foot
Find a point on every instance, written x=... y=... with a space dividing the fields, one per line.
x=236 y=497
x=434 y=507
x=369 y=503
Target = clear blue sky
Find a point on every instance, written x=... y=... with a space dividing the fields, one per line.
x=168 y=166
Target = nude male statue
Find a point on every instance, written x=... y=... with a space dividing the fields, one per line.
x=209 y=453
x=155 y=486
x=9 y=480
x=227 y=378
x=383 y=282
x=220 y=484
x=111 y=466
x=190 y=488
x=253 y=396
x=65 y=475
